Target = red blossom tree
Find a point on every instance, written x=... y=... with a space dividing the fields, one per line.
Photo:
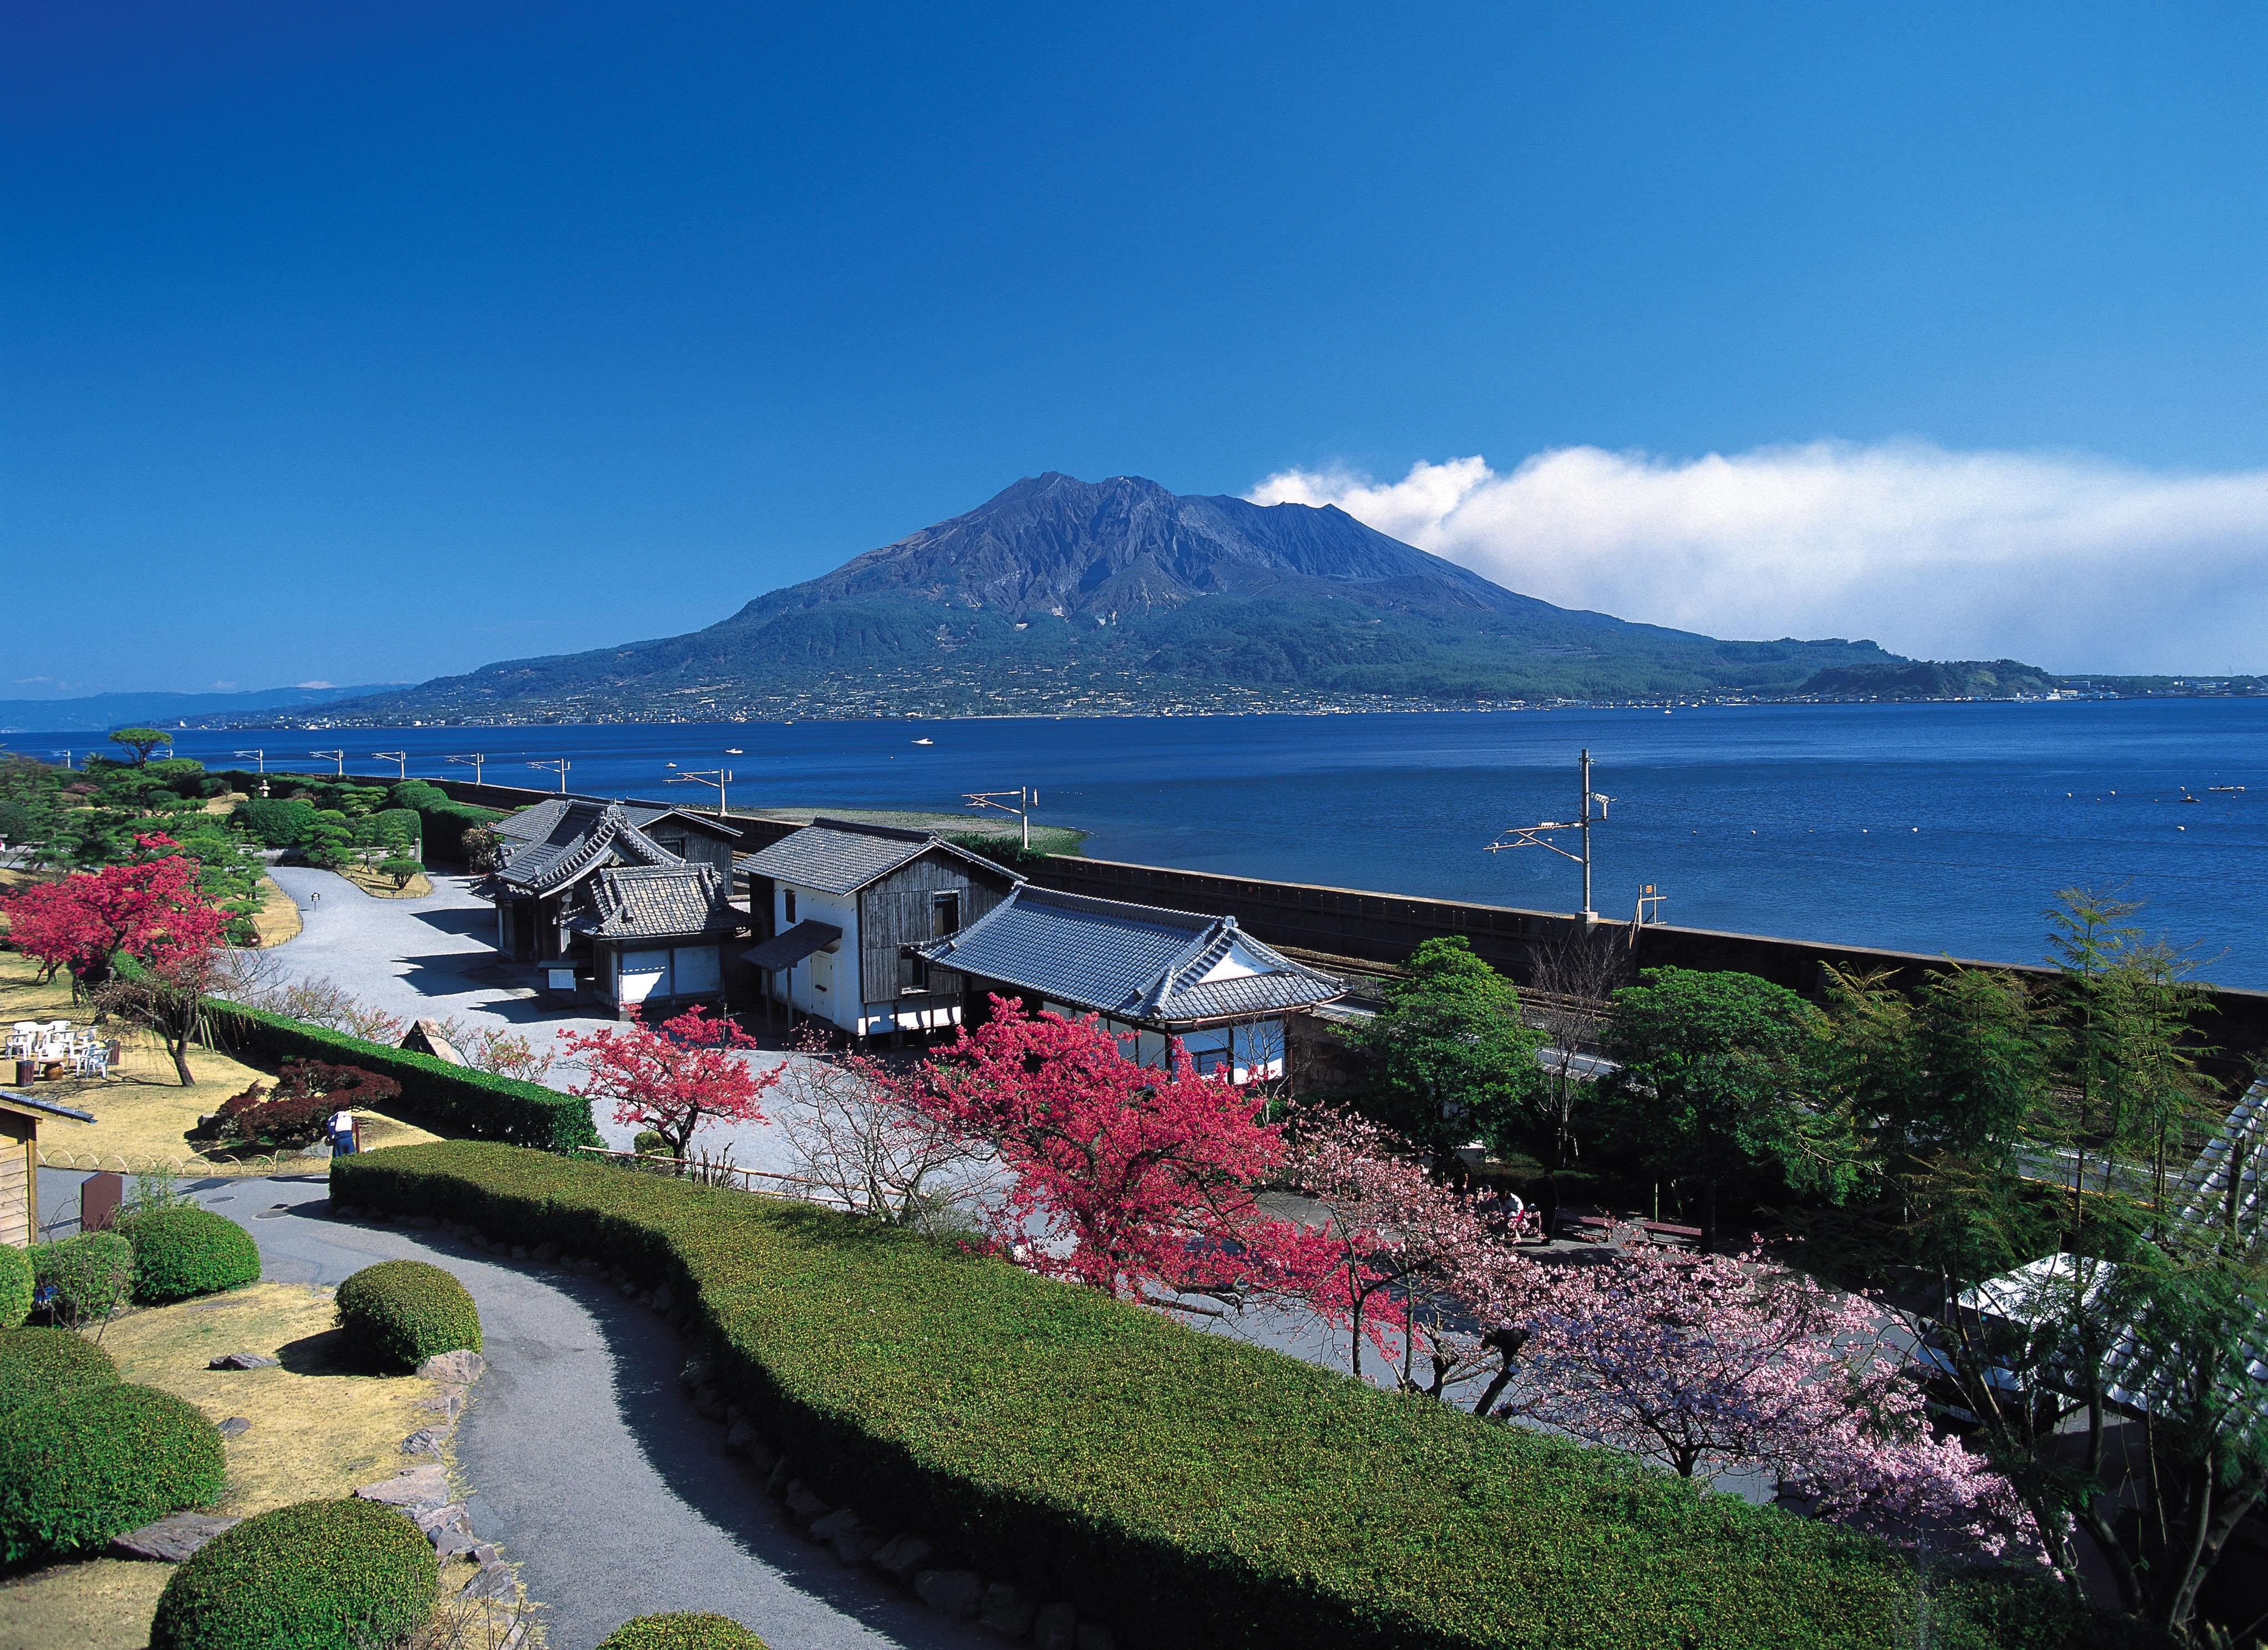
x=151 y=910
x=673 y=1077
x=1125 y=1178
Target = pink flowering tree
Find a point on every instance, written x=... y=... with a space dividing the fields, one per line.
x=151 y=910
x=1122 y=1177
x=1710 y=1363
x=1417 y=1270
x=673 y=1077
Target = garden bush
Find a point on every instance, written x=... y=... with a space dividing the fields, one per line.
x=398 y=1314
x=682 y=1630
x=15 y=1286
x=317 y=1575
x=449 y=1099
x=103 y=1462
x=1186 y=1488
x=45 y=1367
x=442 y=822
x=303 y=1100
x=90 y=1277
x=184 y=1251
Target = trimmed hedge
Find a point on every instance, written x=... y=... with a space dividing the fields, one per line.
x=682 y=1630
x=91 y=1274
x=398 y=1314
x=184 y=1251
x=104 y=1461
x=15 y=1286
x=46 y=1368
x=1186 y=1488
x=317 y=1575
x=442 y=820
x=449 y=1099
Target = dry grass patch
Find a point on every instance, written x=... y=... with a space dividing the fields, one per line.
x=277 y=919
x=142 y=1115
x=319 y=1428
x=367 y=879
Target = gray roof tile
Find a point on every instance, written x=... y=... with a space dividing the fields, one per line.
x=581 y=837
x=1132 y=962
x=667 y=902
x=842 y=856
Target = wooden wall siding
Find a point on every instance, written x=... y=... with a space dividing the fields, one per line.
x=896 y=911
x=18 y=1214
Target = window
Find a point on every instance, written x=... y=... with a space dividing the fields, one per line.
x=1211 y=1060
x=787 y=904
x=913 y=973
x=945 y=914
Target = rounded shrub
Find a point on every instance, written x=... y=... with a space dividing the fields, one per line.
x=44 y=1367
x=91 y=1275
x=15 y=1286
x=185 y=1251
x=682 y=1630
x=73 y=1475
x=398 y=1314
x=317 y=1575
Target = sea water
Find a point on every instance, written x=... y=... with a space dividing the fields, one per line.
x=1945 y=828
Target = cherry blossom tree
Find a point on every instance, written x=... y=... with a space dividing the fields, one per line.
x=861 y=1138
x=1710 y=1363
x=673 y=1077
x=1123 y=1177
x=1418 y=1269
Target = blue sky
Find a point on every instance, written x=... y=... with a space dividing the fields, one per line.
x=365 y=343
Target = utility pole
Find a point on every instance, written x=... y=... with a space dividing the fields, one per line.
x=66 y=755
x=1026 y=799
x=1648 y=911
x=398 y=758
x=338 y=756
x=561 y=763
x=476 y=758
x=260 y=756
x=1533 y=836
x=719 y=776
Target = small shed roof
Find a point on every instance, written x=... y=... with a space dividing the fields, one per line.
x=784 y=951
x=842 y=856
x=1137 y=962
x=13 y=1097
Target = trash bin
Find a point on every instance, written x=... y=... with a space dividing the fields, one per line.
x=27 y=1071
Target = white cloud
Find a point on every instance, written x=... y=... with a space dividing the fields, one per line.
x=314 y=684
x=2069 y=561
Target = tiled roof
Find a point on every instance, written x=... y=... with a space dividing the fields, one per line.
x=842 y=856
x=669 y=901
x=1132 y=962
x=582 y=836
x=784 y=951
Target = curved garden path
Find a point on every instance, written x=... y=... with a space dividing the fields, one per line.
x=584 y=1459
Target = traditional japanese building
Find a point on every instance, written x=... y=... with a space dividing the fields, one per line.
x=1152 y=976
x=843 y=907
x=619 y=904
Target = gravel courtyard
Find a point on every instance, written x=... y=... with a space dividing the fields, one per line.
x=436 y=957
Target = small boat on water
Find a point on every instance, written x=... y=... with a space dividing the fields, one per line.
x=734 y=750
x=925 y=742
x=2224 y=787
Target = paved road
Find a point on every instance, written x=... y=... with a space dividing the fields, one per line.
x=584 y=1458
x=436 y=956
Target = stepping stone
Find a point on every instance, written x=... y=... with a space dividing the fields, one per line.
x=806 y=1507
x=493 y=1581
x=461 y=1367
x=243 y=1360
x=425 y=1440
x=169 y=1540
x=452 y=1516
x=448 y=1543
x=954 y=1592
x=235 y=1426
x=413 y=1487
x=902 y=1556
x=1006 y=1609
